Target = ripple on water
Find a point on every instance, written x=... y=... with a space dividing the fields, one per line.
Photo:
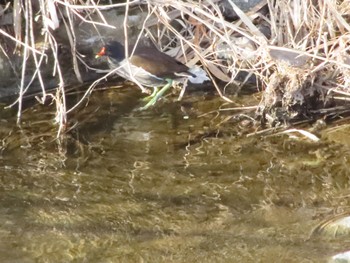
x=125 y=186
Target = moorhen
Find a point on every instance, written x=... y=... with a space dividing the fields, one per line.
x=149 y=67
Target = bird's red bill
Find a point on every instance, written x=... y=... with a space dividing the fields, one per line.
x=101 y=53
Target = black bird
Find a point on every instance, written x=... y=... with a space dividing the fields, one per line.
x=147 y=66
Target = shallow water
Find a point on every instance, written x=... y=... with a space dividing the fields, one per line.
x=177 y=183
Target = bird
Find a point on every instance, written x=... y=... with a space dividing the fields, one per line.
x=147 y=66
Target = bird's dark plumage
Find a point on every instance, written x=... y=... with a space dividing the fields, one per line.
x=149 y=66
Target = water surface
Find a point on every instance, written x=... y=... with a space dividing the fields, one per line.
x=178 y=183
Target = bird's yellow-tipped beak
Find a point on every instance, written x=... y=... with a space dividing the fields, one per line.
x=101 y=53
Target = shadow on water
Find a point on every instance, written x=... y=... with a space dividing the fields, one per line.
x=177 y=183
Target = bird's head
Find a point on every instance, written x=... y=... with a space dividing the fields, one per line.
x=112 y=49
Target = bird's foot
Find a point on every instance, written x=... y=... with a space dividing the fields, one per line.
x=156 y=95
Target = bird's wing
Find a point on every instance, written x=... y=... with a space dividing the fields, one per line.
x=157 y=63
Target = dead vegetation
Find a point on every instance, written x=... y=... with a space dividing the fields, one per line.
x=298 y=50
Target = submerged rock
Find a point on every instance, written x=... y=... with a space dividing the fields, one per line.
x=338 y=226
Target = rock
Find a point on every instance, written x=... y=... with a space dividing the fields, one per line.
x=245 y=5
x=293 y=58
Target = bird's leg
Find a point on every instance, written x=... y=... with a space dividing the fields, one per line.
x=158 y=95
x=148 y=98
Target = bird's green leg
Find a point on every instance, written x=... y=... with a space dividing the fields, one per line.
x=158 y=95
x=148 y=98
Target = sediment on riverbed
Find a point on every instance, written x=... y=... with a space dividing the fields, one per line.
x=296 y=53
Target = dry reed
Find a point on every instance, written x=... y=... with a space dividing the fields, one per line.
x=302 y=57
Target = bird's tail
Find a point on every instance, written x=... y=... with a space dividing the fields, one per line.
x=199 y=75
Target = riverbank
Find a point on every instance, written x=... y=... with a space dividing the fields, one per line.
x=295 y=53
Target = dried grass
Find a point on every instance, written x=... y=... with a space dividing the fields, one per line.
x=306 y=52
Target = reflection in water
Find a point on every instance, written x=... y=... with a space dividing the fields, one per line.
x=163 y=186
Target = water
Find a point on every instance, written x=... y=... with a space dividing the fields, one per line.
x=177 y=183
